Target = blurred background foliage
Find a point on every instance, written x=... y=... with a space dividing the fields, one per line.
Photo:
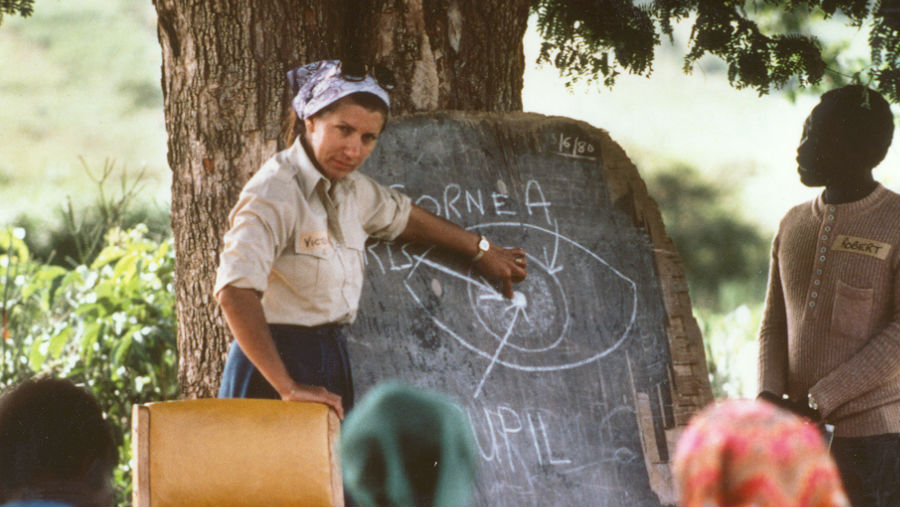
x=719 y=245
x=70 y=238
x=80 y=79
x=86 y=256
x=726 y=260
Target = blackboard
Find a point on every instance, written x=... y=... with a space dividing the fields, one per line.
x=569 y=385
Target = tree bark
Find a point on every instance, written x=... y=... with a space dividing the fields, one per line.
x=448 y=54
x=224 y=86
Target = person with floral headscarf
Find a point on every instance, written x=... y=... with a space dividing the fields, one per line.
x=752 y=453
x=291 y=271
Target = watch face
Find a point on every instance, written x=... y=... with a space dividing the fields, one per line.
x=484 y=244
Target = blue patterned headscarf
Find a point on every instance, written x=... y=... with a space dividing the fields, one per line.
x=318 y=84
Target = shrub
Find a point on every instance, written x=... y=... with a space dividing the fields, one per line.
x=109 y=326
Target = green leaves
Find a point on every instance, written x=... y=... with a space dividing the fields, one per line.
x=109 y=326
x=589 y=38
x=23 y=8
x=594 y=39
x=91 y=320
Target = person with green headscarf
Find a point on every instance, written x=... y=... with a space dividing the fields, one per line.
x=404 y=445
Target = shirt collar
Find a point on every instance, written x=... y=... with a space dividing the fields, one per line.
x=309 y=177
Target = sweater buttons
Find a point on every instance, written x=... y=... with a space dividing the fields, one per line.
x=814 y=294
x=819 y=272
x=827 y=228
x=817 y=282
x=812 y=304
x=821 y=258
x=823 y=249
x=824 y=237
x=830 y=217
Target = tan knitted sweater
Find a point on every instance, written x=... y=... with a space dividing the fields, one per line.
x=831 y=326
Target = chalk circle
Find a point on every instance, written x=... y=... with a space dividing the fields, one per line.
x=504 y=336
x=538 y=313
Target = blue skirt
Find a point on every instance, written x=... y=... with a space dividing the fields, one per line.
x=312 y=355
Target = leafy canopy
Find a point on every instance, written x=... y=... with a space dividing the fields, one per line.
x=22 y=7
x=603 y=38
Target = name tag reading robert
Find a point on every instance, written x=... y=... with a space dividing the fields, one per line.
x=313 y=241
x=861 y=246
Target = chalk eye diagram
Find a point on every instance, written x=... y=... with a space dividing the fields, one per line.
x=547 y=325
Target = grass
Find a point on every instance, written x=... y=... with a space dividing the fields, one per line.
x=79 y=78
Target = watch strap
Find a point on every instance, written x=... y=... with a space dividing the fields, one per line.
x=482 y=240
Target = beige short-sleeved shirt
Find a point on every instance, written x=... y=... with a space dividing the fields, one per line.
x=301 y=242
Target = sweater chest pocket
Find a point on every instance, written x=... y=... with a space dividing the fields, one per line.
x=852 y=311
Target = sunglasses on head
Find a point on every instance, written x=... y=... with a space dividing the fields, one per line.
x=352 y=70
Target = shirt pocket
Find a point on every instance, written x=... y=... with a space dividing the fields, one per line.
x=309 y=267
x=852 y=311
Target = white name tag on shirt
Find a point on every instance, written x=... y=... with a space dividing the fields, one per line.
x=313 y=241
x=861 y=246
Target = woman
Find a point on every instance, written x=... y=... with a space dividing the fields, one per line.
x=291 y=270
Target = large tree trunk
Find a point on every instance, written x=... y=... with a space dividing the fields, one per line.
x=223 y=80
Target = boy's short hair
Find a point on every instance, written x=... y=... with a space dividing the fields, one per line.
x=54 y=444
x=864 y=122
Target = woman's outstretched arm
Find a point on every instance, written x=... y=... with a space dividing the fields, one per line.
x=504 y=265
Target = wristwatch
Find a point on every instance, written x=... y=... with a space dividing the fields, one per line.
x=483 y=246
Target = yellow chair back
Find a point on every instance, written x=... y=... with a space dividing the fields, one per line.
x=218 y=452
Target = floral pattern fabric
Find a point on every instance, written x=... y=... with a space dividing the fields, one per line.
x=751 y=453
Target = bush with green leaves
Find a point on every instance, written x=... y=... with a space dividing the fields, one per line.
x=109 y=326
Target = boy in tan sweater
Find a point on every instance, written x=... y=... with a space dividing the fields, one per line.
x=829 y=343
